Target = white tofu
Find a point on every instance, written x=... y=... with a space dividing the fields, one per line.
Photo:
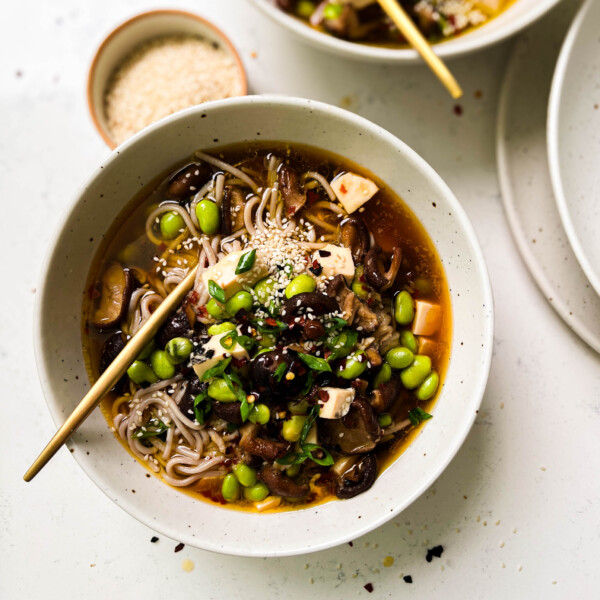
x=353 y=191
x=428 y=318
x=337 y=261
x=219 y=354
x=338 y=403
x=223 y=273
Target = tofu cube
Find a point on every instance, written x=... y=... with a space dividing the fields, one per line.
x=335 y=260
x=217 y=353
x=427 y=346
x=338 y=403
x=353 y=191
x=428 y=317
x=223 y=273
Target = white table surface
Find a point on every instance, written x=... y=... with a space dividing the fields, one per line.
x=517 y=510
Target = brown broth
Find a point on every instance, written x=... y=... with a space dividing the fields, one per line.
x=386 y=215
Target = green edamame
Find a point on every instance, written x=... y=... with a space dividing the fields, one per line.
x=264 y=290
x=305 y=8
x=299 y=408
x=266 y=340
x=245 y=475
x=216 y=310
x=412 y=377
x=292 y=428
x=260 y=414
x=171 y=224
x=218 y=390
x=219 y=328
x=383 y=375
x=354 y=367
x=399 y=357
x=358 y=287
x=408 y=340
x=429 y=387
x=384 y=419
x=179 y=349
x=257 y=492
x=404 y=308
x=139 y=372
x=147 y=351
x=209 y=219
x=230 y=488
x=161 y=364
x=240 y=300
x=299 y=285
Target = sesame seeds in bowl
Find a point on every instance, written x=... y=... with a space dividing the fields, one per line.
x=158 y=63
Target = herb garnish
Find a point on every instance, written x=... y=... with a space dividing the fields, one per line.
x=314 y=362
x=202 y=407
x=246 y=262
x=418 y=415
x=216 y=370
x=152 y=428
x=216 y=291
x=280 y=371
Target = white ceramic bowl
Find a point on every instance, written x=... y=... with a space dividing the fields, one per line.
x=517 y=16
x=94 y=208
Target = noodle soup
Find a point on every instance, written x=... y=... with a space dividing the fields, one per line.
x=311 y=347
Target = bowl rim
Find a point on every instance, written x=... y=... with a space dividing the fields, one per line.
x=453 y=48
x=481 y=273
x=93 y=109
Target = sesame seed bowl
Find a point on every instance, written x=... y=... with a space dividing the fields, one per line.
x=156 y=63
x=59 y=324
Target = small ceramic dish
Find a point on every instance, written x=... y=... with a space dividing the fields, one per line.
x=517 y=16
x=133 y=33
x=58 y=329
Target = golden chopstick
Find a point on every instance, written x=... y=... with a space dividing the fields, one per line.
x=415 y=38
x=113 y=373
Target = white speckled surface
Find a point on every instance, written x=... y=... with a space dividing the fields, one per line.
x=528 y=469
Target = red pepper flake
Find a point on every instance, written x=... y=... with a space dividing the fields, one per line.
x=323 y=395
x=271 y=322
x=458 y=110
x=162 y=247
x=369 y=587
x=179 y=547
x=311 y=197
x=202 y=312
x=238 y=363
x=344 y=191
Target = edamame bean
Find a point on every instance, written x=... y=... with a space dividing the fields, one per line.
x=299 y=285
x=139 y=372
x=147 y=351
x=179 y=349
x=305 y=8
x=408 y=340
x=209 y=219
x=218 y=390
x=260 y=414
x=240 y=300
x=245 y=475
x=384 y=419
x=354 y=367
x=341 y=348
x=230 y=488
x=257 y=492
x=264 y=290
x=412 y=377
x=267 y=340
x=216 y=310
x=219 y=328
x=171 y=224
x=429 y=387
x=383 y=375
x=298 y=408
x=358 y=287
x=404 y=309
x=292 y=428
x=399 y=357
x=161 y=364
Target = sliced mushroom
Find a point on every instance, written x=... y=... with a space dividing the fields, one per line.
x=286 y=5
x=320 y=304
x=228 y=411
x=294 y=196
x=110 y=350
x=176 y=325
x=348 y=25
x=269 y=450
x=193 y=388
x=355 y=235
x=383 y=397
x=187 y=181
x=232 y=210
x=357 y=479
x=381 y=281
x=373 y=357
x=269 y=377
x=356 y=433
x=353 y=310
x=117 y=286
x=360 y=408
x=280 y=484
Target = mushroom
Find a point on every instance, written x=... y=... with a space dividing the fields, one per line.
x=294 y=196
x=358 y=479
x=355 y=235
x=313 y=329
x=353 y=310
x=228 y=411
x=187 y=181
x=117 y=286
x=320 y=304
x=268 y=377
x=280 y=484
x=373 y=357
x=176 y=325
x=232 y=213
x=192 y=389
x=382 y=398
x=110 y=350
x=286 y=5
x=381 y=281
x=269 y=450
x=348 y=25
x=360 y=408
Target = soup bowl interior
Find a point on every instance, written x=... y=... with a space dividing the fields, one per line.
x=518 y=15
x=59 y=324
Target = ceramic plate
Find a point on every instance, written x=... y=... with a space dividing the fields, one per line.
x=574 y=138
x=525 y=178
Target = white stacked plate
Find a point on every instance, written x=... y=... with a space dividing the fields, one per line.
x=551 y=181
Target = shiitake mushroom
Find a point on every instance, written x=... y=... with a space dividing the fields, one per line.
x=117 y=286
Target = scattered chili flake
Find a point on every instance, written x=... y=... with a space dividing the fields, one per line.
x=344 y=191
x=153 y=539
x=435 y=551
x=458 y=110
x=316 y=268
x=271 y=322
x=407 y=578
x=323 y=395
x=311 y=197
x=369 y=587
x=179 y=547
